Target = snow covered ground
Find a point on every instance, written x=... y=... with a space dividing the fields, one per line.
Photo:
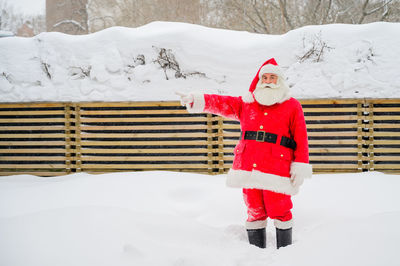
x=125 y=64
x=166 y=218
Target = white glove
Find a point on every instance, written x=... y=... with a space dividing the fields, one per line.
x=186 y=99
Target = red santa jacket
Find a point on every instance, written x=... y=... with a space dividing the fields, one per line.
x=263 y=165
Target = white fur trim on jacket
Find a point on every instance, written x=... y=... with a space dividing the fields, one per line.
x=300 y=171
x=256 y=224
x=248 y=97
x=260 y=180
x=198 y=103
x=283 y=225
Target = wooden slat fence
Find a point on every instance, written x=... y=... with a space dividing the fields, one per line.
x=48 y=139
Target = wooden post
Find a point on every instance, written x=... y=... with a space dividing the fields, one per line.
x=210 y=143
x=78 y=155
x=360 y=134
x=68 y=137
x=371 y=135
x=220 y=157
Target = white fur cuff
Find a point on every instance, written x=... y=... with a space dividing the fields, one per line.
x=301 y=169
x=248 y=97
x=283 y=225
x=256 y=224
x=198 y=103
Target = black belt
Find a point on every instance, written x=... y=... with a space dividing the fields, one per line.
x=263 y=136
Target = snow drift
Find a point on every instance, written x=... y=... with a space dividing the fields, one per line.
x=153 y=61
x=166 y=218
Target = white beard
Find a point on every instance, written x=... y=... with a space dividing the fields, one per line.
x=269 y=94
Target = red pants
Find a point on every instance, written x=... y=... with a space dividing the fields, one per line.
x=262 y=204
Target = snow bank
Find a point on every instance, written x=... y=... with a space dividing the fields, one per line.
x=165 y=218
x=129 y=64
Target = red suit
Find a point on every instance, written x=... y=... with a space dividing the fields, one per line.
x=264 y=168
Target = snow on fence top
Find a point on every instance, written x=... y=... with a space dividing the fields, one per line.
x=153 y=61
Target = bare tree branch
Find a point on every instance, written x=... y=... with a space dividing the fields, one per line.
x=328 y=9
x=282 y=4
x=364 y=13
x=259 y=16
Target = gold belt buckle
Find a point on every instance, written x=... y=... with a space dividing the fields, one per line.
x=262 y=134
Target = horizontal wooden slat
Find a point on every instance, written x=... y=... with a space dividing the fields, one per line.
x=141 y=166
x=387 y=117
x=131 y=112
x=333 y=134
x=21 y=127
x=32 y=158
x=143 y=119
x=332 y=150
x=387 y=166
x=335 y=166
x=383 y=158
x=30 y=112
x=333 y=117
x=142 y=135
x=384 y=101
x=354 y=158
x=386 y=149
x=129 y=104
x=138 y=127
x=37 y=173
x=148 y=159
x=329 y=110
x=336 y=142
x=387 y=125
x=386 y=134
x=335 y=125
x=36 y=143
x=334 y=170
x=33 y=150
x=386 y=142
x=152 y=150
x=330 y=101
x=386 y=109
x=105 y=171
x=125 y=143
x=32 y=120
x=33 y=166
x=32 y=105
x=28 y=136
x=227 y=126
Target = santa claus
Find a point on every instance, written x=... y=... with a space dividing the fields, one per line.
x=271 y=158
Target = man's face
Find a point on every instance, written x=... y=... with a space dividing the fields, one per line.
x=269 y=78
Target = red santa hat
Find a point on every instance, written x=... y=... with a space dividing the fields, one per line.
x=269 y=66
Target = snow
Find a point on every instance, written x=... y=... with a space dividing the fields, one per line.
x=167 y=218
x=357 y=61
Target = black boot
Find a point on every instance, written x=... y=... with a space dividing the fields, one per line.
x=283 y=237
x=257 y=237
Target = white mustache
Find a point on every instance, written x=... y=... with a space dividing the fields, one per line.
x=269 y=86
